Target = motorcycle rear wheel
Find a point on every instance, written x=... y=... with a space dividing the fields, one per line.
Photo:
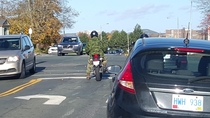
x=98 y=74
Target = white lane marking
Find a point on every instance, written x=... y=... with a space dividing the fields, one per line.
x=49 y=74
x=72 y=101
x=77 y=87
x=106 y=101
x=68 y=113
x=75 y=94
x=53 y=99
x=48 y=78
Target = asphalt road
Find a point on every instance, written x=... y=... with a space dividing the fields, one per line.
x=58 y=90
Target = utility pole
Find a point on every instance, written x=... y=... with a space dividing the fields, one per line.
x=191 y=20
x=178 y=27
x=29 y=7
x=128 y=42
x=101 y=31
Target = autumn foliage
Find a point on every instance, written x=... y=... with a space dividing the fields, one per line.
x=45 y=17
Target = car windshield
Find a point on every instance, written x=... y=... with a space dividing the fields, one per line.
x=172 y=64
x=10 y=44
x=70 y=39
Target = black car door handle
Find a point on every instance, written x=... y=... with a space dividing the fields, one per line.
x=29 y=51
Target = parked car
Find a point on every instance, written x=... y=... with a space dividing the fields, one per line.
x=70 y=44
x=146 y=87
x=83 y=48
x=53 y=49
x=16 y=56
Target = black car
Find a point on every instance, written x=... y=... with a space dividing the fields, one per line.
x=151 y=86
x=70 y=44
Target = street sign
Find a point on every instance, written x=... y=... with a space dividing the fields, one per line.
x=53 y=99
x=30 y=31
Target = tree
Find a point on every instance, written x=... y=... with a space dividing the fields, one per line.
x=203 y=6
x=43 y=16
x=135 y=34
x=83 y=37
x=67 y=15
x=113 y=44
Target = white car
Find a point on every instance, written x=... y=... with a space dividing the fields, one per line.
x=53 y=49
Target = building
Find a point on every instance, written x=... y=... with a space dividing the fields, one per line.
x=4 y=27
x=182 y=33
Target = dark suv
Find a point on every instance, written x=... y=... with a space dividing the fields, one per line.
x=163 y=78
x=16 y=56
x=70 y=44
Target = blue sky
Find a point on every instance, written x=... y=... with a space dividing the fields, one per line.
x=157 y=15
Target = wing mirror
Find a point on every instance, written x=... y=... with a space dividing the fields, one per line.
x=133 y=43
x=27 y=47
x=114 y=69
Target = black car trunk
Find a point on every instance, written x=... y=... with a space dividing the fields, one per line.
x=163 y=89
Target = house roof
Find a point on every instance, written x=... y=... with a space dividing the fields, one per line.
x=4 y=23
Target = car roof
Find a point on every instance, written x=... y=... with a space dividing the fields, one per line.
x=175 y=42
x=157 y=42
x=70 y=36
x=12 y=36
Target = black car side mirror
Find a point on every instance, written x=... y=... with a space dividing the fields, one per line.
x=133 y=43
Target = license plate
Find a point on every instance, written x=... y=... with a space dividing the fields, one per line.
x=187 y=102
x=95 y=63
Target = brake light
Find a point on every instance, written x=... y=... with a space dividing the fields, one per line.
x=188 y=50
x=126 y=79
x=95 y=56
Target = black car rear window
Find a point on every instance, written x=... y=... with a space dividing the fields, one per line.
x=173 y=64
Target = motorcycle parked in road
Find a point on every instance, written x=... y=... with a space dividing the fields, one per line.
x=98 y=68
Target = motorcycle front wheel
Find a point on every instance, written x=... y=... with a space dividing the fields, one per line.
x=98 y=74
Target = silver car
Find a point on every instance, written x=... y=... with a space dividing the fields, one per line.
x=16 y=56
x=70 y=44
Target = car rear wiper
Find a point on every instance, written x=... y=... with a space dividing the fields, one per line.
x=198 y=79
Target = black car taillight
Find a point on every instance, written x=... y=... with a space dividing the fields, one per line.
x=188 y=50
x=125 y=79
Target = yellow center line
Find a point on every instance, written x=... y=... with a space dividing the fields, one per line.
x=20 y=87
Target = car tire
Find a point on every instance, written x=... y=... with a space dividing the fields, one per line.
x=81 y=53
x=23 y=72
x=63 y=54
x=33 y=69
x=59 y=54
x=78 y=53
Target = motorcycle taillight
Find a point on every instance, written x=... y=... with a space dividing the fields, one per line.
x=96 y=57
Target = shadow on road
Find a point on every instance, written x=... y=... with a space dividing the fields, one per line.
x=104 y=76
x=40 y=62
x=39 y=69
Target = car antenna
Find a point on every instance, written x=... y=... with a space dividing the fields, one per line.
x=186 y=40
